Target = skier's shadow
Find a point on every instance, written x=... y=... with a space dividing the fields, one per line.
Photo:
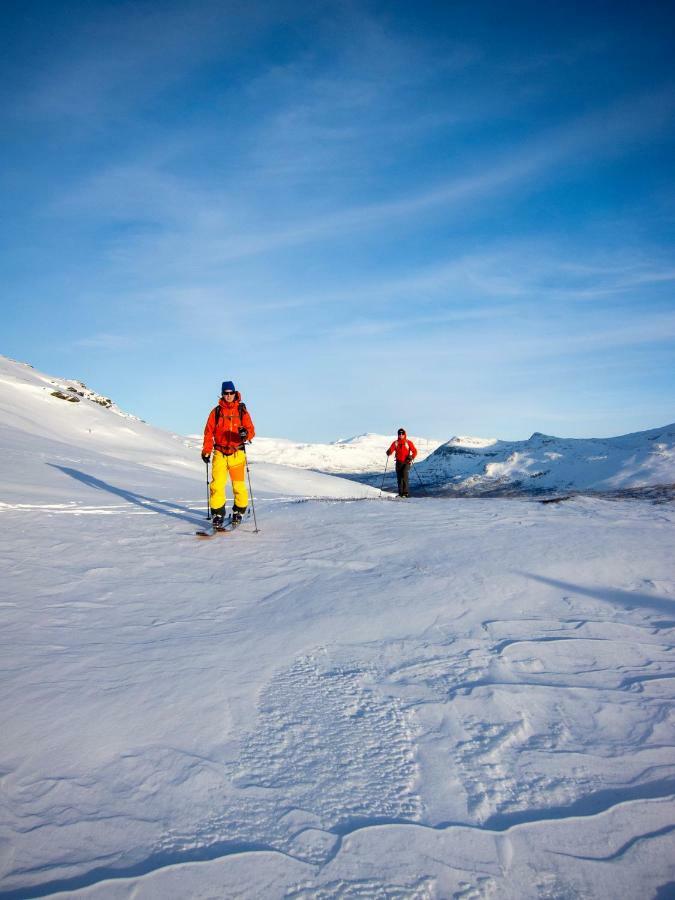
x=164 y=507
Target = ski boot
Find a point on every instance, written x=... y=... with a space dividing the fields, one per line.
x=218 y=518
x=237 y=514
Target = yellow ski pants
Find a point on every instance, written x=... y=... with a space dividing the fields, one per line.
x=235 y=465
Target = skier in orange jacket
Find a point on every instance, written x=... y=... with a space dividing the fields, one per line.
x=227 y=429
x=405 y=452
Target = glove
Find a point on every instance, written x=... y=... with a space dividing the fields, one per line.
x=388 y=452
x=206 y=457
x=243 y=433
x=410 y=457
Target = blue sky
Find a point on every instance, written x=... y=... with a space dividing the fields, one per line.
x=459 y=217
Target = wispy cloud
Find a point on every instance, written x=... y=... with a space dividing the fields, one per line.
x=208 y=227
x=606 y=132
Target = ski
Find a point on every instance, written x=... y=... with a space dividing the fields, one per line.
x=228 y=526
x=225 y=529
x=213 y=531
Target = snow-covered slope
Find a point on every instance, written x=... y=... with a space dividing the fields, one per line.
x=54 y=423
x=422 y=699
x=545 y=463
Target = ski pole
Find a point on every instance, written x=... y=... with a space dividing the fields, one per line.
x=384 y=475
x=208 y=493
x=250 y=490
x=412 y=463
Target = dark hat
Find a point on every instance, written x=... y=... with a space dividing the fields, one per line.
x=227 y=386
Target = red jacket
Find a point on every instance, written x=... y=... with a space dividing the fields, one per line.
x=223 y=434
x=404 y=448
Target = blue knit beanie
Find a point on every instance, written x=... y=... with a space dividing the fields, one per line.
x=227 y=386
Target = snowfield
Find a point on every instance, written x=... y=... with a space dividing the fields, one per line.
x=431 y=698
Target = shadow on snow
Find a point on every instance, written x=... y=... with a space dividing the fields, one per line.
x=627 y=599
x=163 y=507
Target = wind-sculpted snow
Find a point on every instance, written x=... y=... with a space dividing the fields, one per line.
x=327 y=750
x=341 y=704
x=336 y=747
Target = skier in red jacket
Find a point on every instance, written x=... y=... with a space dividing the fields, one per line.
x=405 y=452
x=228 y=428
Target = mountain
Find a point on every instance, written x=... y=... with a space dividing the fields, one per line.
x=544 y=463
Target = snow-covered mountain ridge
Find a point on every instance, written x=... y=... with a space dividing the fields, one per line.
x=546 y=463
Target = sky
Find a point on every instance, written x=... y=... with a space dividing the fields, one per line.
x=455 y=217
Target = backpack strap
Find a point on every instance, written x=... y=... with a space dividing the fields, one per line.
x=217 y=410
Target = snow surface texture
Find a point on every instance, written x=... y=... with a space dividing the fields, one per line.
x=545 y=463
x=417 y=699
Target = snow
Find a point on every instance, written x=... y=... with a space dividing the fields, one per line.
x=364 y=454
x=427 y=698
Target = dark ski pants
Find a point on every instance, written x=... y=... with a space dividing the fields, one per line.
x=402 y=472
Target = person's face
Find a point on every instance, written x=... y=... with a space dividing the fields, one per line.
x=228 y=395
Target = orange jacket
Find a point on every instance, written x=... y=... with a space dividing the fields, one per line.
x=222 y=427
x=404 y=448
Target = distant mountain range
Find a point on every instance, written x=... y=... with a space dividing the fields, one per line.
x=544 y=464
